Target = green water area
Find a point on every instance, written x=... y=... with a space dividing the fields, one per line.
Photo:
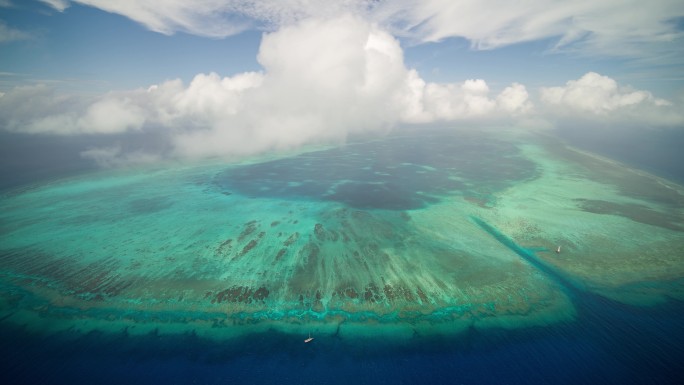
x=423 y=234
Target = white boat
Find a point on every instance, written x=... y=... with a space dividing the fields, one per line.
x=558 y=250
x=306 y=341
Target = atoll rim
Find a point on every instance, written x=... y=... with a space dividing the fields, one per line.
x=411 y=235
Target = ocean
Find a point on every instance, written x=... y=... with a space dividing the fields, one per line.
x=413 y=259
x=611 y=344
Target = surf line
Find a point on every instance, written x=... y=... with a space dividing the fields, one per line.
x=565 y=284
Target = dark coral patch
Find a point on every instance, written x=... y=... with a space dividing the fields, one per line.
x=225 y=247
x=351 y=293
x=241 y=294
x=422 y=296
x=292 y=239
x=248 y=247
x=250 y=227
x=261 y=294
x=319 y=232
x=389 y=292
x=372 y=293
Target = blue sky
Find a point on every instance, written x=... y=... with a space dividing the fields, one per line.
x=235 y=78
x=93 y=49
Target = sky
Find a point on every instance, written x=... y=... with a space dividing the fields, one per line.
x=129 y=82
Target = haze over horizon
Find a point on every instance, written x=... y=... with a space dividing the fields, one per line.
x=138 y=82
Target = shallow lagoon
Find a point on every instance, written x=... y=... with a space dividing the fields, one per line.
x=441 y=243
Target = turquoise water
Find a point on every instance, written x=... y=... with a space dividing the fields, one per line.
x=412 y=254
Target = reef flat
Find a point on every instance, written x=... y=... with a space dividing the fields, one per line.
x=621 y=229
x=422 y=234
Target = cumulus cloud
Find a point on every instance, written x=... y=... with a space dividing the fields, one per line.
x=39 y=109
x=620 y=27
x=515 y=100
x=596 y=94
x=463 y=101
x=286 y=106
x=111 y=115
x=323 y=80
x=601 y=97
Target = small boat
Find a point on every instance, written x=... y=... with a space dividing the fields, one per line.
x=558 y=250
x=306 y=341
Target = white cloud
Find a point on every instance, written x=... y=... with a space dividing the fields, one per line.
x=207 y=99
x=213 y=18
x=219 y=18
x=448 y=102
x=114 y=156
x=607 y=27
x=39 y=109
x=514 y=100
x=59 y=5
x=597 y=94
x=216 y=18
x=8 y=34
x=322 y=81
x=601 y=27
x=600 y=98
x=111 y=115
x=286 y=107
x=464 y=101
x=23 y=107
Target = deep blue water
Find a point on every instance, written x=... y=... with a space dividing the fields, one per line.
x=609 y=343
x=397 y=173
